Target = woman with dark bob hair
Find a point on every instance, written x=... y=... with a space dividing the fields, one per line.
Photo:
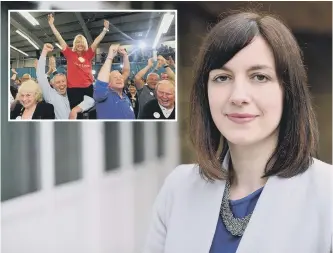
x=257 y=187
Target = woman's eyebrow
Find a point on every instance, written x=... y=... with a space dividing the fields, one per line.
x=252 y=68
x=259 y=67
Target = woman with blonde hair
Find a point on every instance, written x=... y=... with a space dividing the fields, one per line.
x=31 y=104
x=257 y=186
x=79 y=63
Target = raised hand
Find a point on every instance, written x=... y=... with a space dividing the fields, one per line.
x=122 y=51
x=50 y=19
x=160 y=61
x=171 y=61
x=14 y=71
x=106 y=24
x=113 y=50
x=48 y=47
x=151 y=62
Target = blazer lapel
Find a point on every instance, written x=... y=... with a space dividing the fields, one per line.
x=196 y=223
x=276 y=218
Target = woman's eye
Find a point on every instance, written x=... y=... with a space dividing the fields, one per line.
x=260 y=78
x=221 y=79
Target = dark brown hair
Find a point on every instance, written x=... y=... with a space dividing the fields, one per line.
x=298 y=133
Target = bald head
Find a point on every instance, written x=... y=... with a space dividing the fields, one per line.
x=116 y=80
x=165 y=91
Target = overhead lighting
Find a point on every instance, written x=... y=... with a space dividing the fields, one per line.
x=164 y=27
x=30 y=18
x=58 y=46
x=27 y=38
x=142 y=45
x=18 y=50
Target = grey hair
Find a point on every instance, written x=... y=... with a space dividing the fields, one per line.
x=53 y=78
x=153 y=73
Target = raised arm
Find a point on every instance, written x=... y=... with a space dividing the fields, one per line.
x=138 y=77
x=163 y=62
x=99 y=38
x=41 y=76
x=52 y=66
x=14 y=74
x=103 y=78
x=61 y=41
x=126 y=64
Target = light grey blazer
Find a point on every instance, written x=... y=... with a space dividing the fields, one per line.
x=291 y=216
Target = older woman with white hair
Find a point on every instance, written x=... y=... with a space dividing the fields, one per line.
x=79 y=65
x=31 y=104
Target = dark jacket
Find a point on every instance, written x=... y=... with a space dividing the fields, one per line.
x=43 y=111
x=152 y=110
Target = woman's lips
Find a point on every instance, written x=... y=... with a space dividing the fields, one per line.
x=241 y=118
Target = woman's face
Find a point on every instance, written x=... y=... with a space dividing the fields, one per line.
x=132 y=89
x=28 y=99
x=79 y=44
x=245 y=97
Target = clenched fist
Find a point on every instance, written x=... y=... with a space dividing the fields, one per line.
x=106 y=24
x=122 y=51
x=48 y=47
x=113 y=50
x=50 y=19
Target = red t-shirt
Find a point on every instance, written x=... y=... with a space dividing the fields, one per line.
x=79 y=68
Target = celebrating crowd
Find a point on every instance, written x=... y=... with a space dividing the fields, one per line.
x=77 y=95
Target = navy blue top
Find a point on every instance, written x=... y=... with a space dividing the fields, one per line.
x=109 y=105
x=224 y=241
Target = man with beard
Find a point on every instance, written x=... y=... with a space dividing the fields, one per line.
x=58 y=96
x=164 y=106
x=112 y=102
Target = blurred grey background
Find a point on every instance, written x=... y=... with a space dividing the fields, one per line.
x=73 y=187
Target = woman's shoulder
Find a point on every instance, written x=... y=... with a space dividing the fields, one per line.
x=45 y=105
x=184 y=176
x=321 y=174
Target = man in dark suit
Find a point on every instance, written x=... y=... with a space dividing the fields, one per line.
x=164 y=106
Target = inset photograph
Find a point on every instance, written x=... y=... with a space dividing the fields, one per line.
x=108 y=66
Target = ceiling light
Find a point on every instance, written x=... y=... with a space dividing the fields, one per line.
x=142 y=45
x=164 y=27
x=27 y=38
x=58 y=46
x=30 y=18
x=18 y=50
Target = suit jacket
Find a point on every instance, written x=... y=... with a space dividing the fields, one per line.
x=291 y=216
x=152 y=110
x=43 y=111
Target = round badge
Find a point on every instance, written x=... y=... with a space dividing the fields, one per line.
x=151 y=93
x=157 y=115
x=81 y=59
x=18 y=117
